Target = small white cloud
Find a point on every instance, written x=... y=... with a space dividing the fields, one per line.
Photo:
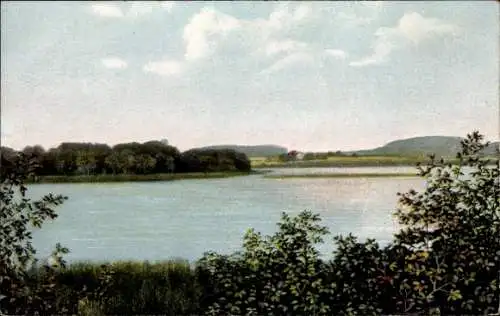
x=289 y=61
x=416 y=28
x=381 y=50
x=283 y=17
x=107 y=10
x=337 y=53
x=135 y=8
x=302 y=12
x=285 y=46
x=199 y=33
x=411 y=27
x=165 y=67
x=278 y=17
x=114 y=63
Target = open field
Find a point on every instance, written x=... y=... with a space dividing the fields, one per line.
x=339 y=161
x=349 y=161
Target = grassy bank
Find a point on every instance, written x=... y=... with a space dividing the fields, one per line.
x=339 y=161
x=339 y=175
x=167 y=288
x=136 y=177
x=363 y=161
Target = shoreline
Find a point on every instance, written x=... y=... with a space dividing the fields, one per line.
x=139 y=178
x=350 y=162
x=342 y=175
x=344 y=162
x=331 y=165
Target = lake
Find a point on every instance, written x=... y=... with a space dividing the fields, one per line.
x=185 y=218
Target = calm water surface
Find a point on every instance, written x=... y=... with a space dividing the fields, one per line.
x=299 y=171
x=183 y=219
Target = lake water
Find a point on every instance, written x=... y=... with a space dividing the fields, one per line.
x=183 y=219
x=299 y=171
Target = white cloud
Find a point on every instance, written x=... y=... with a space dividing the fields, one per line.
x=165 y=67
x=135 y=8
x=283 y=16
x=209 y=27
x=416 y=28
x=200 y=36
x=210 y=31
x=381 y=51
x=107 y=10
x=360 y=13
x=411 y=27
x=337 y=53
x=301 y=55
x=114 y=63
x=290 y=60
x=301 y=12
x=203 y=26
x=284 y=46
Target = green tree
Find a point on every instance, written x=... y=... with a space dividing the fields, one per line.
x=144 y=163
x=18 y=216
x=35 y=153
x=170 y=164
x=274 y=275
x=113 y=162
x=85 y=161
x=130 y=161
x=452 y=229
x=121 y=161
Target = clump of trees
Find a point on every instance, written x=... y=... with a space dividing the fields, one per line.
x=128 y=158
x=444 y=261
x=311 y=155
x=317 y=156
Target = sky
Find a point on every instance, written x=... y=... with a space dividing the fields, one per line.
x=305 y=75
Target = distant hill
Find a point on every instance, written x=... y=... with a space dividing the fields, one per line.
x=253 y=151
x=493 y=149
x=443 y=146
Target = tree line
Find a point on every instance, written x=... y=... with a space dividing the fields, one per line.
x=126 y=158
x=292 y=155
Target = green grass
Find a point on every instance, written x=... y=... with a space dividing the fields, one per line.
x=343 y=161
x=340 y=175
x=166 y=288
x=258 y=159
x=136 y=177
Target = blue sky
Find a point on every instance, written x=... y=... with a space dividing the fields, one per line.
x=306 y=75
